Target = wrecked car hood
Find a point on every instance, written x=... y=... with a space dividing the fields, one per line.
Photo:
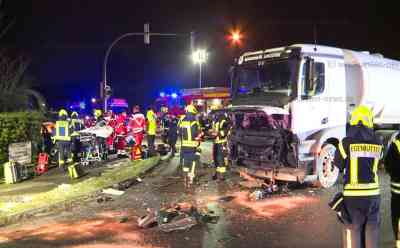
x=269 y=110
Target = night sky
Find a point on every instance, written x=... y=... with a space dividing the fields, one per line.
x=66 y=40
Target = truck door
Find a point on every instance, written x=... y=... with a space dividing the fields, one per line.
x=310 y=112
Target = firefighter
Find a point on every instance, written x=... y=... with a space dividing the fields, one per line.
x=151 y=129
x=62 y=138
x=172 y=135
x=221 y=128
x=76 y=126
x=358 y=157
x=164 y=119
x=137 y=126
x=190 y=135
x=98 y=117
x=392 y=166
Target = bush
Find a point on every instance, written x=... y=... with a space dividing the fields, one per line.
x=19 y=127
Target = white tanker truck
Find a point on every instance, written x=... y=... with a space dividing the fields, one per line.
x=290 y=106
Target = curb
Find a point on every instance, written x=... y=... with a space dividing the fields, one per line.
x=66 y=204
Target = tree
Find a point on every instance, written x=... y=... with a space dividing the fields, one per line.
x=16 y=91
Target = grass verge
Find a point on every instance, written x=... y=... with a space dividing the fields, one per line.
x=71 y=192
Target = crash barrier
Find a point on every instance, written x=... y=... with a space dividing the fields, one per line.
x=19 y=127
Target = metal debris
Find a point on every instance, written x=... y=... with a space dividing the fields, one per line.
x=181 y=216
x=103 y=199
x=181 y=224
x=263 y=193
x=111 y=191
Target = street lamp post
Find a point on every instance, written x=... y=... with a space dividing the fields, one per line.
x=200 y=57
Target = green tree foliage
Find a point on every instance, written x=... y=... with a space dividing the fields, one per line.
x=16 y=93
x=18 y=127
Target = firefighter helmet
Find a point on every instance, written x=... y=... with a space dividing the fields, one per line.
x=74 y=115
x=63 y=112
x=97 y=113
x=191 y=109
x=362 y=114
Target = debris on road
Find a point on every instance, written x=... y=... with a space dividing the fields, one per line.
x=226 y=198
x=148 y=220
x=111 y=191
x=181 y=224
x=102 y=199
x=181 y=216
x=263 y=193
x=127 y=184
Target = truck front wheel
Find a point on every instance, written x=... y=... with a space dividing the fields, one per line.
x=327 y=172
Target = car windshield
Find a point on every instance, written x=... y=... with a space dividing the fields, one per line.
x=274 y=79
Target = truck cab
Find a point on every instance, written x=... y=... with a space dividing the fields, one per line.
x=289 y=111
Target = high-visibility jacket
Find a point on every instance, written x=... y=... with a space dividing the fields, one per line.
x=358 y=157
x=62 y=131
x=137 y=123
x=221 y=128
x=392 y=164
x=152 y=122
x=189 y=131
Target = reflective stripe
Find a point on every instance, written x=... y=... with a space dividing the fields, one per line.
x=348 y=238
x=375 y=170
x=337 y=203
x=395 y=187
x=397 y=143
x=353 y=171
x=189 y=141
x=342 y=151
x=368 y=192
x=221 y=169
x=362 y=186
x=220 y=132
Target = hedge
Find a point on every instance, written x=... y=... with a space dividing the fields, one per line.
x=18 y=127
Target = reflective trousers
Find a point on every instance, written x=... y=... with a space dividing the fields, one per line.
x=75 y=147
x=190 y=160
x=150 y=142
x=219 y=157
x=362 y=228
x=64 y=153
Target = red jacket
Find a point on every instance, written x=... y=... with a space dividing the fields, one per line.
x=137 y=123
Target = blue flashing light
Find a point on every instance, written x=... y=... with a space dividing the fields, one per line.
x=174 y=95
x=162 y=94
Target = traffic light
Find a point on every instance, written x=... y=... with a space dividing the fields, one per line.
x=147 y=33
x=107 y=91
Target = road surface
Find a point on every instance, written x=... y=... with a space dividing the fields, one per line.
x=299 y=218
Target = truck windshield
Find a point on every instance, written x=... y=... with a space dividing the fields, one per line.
x=265 y=81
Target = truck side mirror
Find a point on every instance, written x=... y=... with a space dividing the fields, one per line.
x=309 y=78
